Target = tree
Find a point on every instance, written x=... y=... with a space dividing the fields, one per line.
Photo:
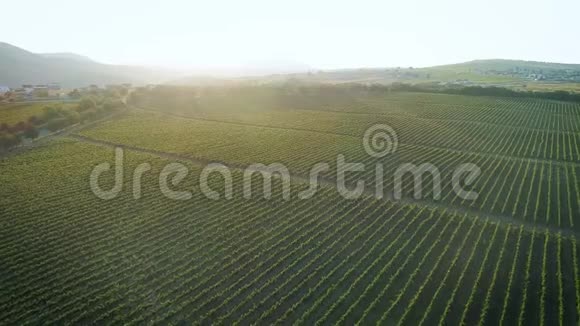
x=30 y=131
x=34 y=120
x=88 y=115
x=71 y=116
x=75 y=94
x=8 y=140
x=51 y=112
x=108 y=104
x=87 y=103
x=19 y=127
x=57 y=124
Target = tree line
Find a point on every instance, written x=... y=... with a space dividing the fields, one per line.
x=55 y=117
x=559 y=95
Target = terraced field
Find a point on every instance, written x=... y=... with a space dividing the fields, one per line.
x=509 y=257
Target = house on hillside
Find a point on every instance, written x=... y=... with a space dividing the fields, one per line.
x=56 y=93
x=28 y=89
x=19 y=94
x=4 y=90
x=40 y=91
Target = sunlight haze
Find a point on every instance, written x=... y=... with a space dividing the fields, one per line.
x=296 y=34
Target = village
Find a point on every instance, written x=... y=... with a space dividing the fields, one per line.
x=53 y=91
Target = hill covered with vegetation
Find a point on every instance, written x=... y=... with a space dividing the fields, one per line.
x=514 y=74
x=18 y=67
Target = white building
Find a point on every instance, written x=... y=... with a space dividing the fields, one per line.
x=28 y=88
x=4 y=89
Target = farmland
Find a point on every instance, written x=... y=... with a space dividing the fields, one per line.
x=14 y=113
x=508 y=257
x=531 y=172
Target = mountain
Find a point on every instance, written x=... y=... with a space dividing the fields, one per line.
x=67 y=55
x=18 y=66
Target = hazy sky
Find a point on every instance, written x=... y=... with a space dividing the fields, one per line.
x=320 y=34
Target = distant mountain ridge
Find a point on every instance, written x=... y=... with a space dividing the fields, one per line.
x=18 y=66
x=508 y=65
x=68 y=55
x=496 y=72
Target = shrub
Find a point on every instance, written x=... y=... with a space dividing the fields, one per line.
x=56 y=124
x=19 y=127
x=30 y=131
x=8 y=140
x=87 y=103
x=51 y=112
x=88 y=115
x=35 y=120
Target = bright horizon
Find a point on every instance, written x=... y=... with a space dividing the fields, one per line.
x=296 y=35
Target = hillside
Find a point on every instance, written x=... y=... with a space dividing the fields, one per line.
x=515 y=69
x=18 y=66
x=516 y=74
x=511 y=65
x=67 y=55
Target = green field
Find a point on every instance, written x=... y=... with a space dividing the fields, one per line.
x=509 y=257
x=531 y=170
x=14 y=113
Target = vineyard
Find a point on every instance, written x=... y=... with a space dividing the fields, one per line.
x=509 y=257
x=539 y=191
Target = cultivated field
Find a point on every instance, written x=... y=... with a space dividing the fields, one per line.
x=16 y=112
x=508 y=257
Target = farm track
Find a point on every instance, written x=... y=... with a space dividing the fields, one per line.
x=297 y=178
x=452 y=150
